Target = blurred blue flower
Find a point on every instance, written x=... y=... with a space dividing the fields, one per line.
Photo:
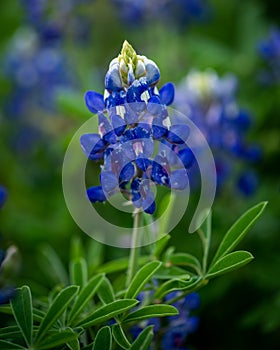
x=178 y=12
x=210 y=102
x=3 y=196
x=269 y=50
x=36 y=71
x=137 y=117
x=53 y=20
x=182 y=324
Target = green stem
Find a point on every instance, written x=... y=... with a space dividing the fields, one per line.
x=134 y=251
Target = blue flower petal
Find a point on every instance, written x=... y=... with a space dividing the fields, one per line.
x=127 y=172
x=154 y=106
x=149 y=204
x=187 y=157
x=119 y=124
x=167 y=93
x=108 y=181
x=178 y=134
x=113 y=80
x=143 y=163
x=105 y=129
x=93 y=146
x=158 y=129
x=179 y=179
x=96 y=194
x=152 y=73
x=94 y=101
x=159 y=174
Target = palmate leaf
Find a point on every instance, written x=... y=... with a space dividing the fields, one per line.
x=22 y=310
x=238 y=231
x=229 y=262
x=85 y=295
x=10 y=332
x=120 y=337
x=6 y=345
x=106 y=312
x=143 y=340
x=150 y=311
x=103 y=340
x=141 y=278
x=60 y=303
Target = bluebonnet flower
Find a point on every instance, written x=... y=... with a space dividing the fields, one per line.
x=6 y=293
x=269 y=51
x=210 y=102
x=177 y=12
x=132 y=117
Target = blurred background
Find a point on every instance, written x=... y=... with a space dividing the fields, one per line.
x=223 y=57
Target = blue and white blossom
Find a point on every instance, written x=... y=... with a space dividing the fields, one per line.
x=132 y=119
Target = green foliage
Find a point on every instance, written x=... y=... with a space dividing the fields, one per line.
x=150 y=311
x=143 y=340
x=22 y=310
x=141 y=278
x=103 y=339
x=79 y=314
x=238 y=231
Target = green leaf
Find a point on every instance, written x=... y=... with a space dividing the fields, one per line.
x=60 y=303
x=85 y=295
x=10 y=332
x=143 y=340
x=78 y=272
x=6 y=345
x=76 y=248
x=238 y=231
x=74 y=344
x=120 y=337
x=120 y=264
x=171 y=272
x=160 y=245
x=22 y=310
x=103 y=340
x=185 y=259
x=106 y=292
x=205 y=235
x=231 y=261
x=150 y=311
x=141 y=278
x=104 y=313
x=176 y=284
x=95 y=255
x=59 y=338
x=53 y=265
x=166 y=207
